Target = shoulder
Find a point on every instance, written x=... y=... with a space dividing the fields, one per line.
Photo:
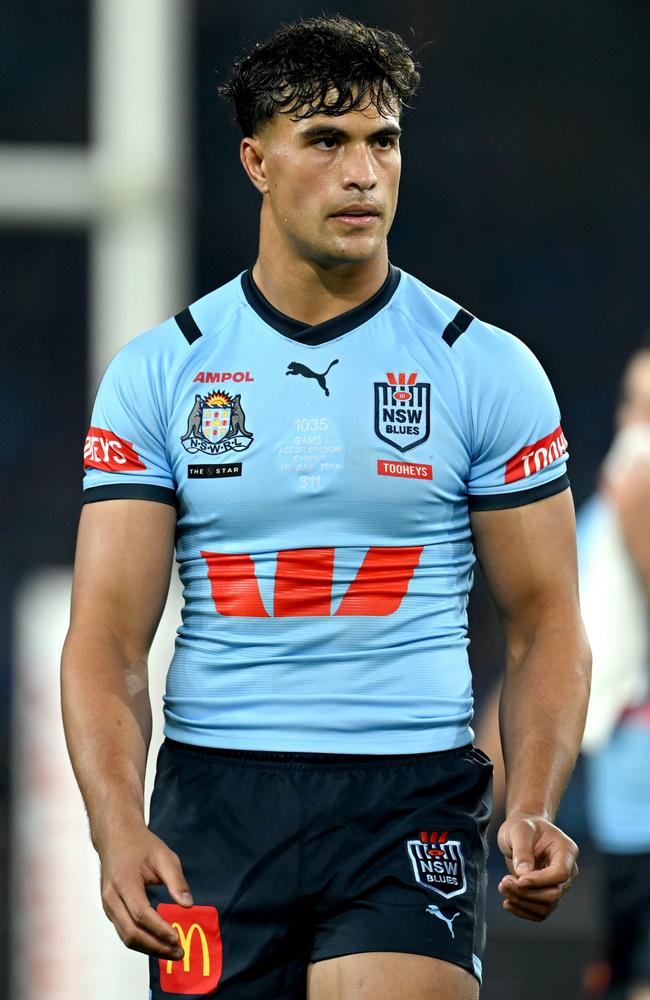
x=208 y=315
x=167 y=344
x=478 y=346
x=436 y=313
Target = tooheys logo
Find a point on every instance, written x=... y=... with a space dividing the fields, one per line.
x=110 y=453
x=535 y=457
x=199 y=971
x=407 y=470
x=303 y=583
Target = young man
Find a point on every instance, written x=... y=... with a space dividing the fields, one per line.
x=314 y=436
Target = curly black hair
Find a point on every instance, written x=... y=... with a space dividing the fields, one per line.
x=328 y=65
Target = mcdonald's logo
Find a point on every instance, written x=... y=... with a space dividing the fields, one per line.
x=199 y=971
x=303 y=583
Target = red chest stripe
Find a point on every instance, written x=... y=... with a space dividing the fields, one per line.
x=303 y=583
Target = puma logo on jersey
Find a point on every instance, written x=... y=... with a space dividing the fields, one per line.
x=295 y=368
x=435 y=911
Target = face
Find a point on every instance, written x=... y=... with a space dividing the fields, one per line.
x=329 y=183
x=634 y=407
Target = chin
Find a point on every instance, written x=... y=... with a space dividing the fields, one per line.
x=353 y=251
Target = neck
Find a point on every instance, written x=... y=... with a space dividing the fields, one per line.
x=311 y=292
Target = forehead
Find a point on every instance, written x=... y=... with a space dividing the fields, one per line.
x=358 y=122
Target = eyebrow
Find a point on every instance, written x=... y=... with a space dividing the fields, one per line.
x=333 y=132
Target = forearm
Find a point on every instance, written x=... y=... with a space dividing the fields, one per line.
x=542 y=714
x=107 y=721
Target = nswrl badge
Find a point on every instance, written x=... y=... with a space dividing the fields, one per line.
x=216 y=424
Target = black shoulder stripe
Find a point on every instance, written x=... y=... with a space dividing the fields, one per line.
x=458 y=325
x=130 y=491
x=187 y=325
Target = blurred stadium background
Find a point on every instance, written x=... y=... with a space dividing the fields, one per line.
x=524 y=196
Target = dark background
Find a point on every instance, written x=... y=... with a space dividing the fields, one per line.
x=524 y=197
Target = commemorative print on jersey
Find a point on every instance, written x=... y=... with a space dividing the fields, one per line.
x=438 y=863
x=402 y=410
x=216 y=424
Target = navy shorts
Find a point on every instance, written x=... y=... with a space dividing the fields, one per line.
x=293 y=858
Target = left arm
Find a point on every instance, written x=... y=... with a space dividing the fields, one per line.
x=528 y=555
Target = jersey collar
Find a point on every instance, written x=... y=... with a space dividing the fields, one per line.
x=322 y=333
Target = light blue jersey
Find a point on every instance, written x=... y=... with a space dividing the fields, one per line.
x=323 y=478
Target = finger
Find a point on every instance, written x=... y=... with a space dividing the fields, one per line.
x=521 y=840
x=529 y=912
x=167 y=866
x=136 y=938
x=527 y=884
x=532 y=908
x=554 y=874
x=514 y=890
x=143 y=915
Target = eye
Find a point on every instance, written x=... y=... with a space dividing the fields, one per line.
x=327 y=142
x=386 y=141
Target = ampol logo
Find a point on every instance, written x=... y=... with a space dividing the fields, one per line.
x=199 y=971
x=223 y=377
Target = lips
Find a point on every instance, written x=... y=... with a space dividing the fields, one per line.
x=361 y=211
x=356 y=216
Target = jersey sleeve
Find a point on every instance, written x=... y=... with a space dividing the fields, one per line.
x=125 y=455
x=519 y=450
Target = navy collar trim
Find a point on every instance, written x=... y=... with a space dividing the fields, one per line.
x=322 y=333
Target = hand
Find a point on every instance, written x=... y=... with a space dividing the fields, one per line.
x=131 y=861
x=542 y=864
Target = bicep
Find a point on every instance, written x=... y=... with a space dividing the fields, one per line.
x=122 y=569
x=528 y=556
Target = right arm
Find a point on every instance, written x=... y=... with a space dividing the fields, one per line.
x=121 y=579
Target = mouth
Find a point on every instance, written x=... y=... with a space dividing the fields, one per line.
x=357 y=215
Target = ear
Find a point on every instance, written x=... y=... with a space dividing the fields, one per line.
x=251 y=154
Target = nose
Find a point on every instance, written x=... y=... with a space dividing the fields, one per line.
x=359 y=169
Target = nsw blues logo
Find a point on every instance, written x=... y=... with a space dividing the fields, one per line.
x=216 y=424
x=402 y=410
x=438 y=863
